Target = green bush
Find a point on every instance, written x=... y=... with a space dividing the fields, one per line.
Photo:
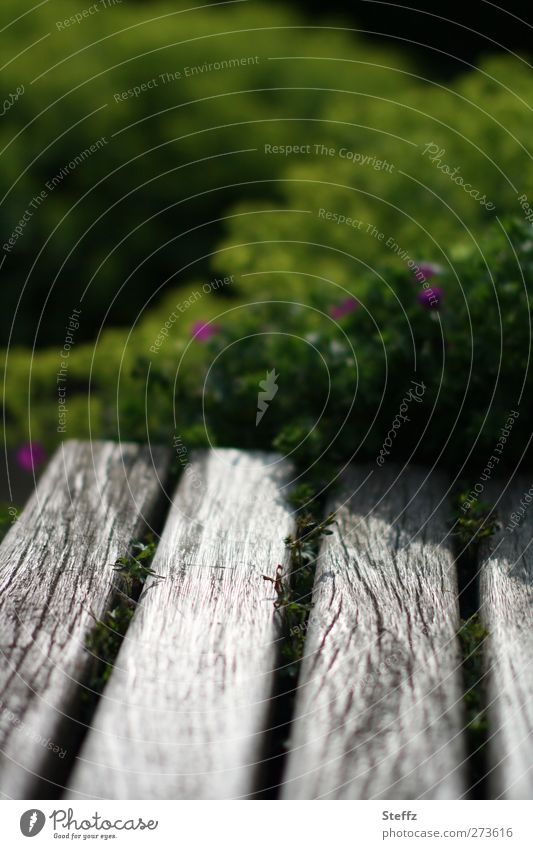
x=292 y=264
x=342 y=381
x=146 y=202
x=399 y=197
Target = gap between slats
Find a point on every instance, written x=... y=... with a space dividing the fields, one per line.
x=504 y=755
x=379 y=712
x=506 y=589
x=185 y=711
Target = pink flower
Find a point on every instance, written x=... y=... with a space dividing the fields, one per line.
x=427 y=270
x=344 y=308
x=203 y=331
x=30 y=456
x=431 y=298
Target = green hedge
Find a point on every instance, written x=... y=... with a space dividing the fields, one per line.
x=343 y=378
x=418 y=143
x=398 y=209
x=127 y=202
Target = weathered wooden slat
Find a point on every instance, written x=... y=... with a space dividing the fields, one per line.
x=185 y=710
x=56 y=566
x=379 y=711
x=506 y=594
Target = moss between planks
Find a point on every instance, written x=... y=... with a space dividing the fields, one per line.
x=104 y=640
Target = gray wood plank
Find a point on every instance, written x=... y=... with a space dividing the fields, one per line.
x=506 y=590
x=56 y=566
x=379 y=711
x=185 y=710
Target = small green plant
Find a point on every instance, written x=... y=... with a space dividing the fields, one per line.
x=292 y=604
x=295 y=592
x=341 y=381
x=472 y=636
x=301 y=495
x=479 y=523
x=294 y=588
x=135 y=568
x=104 y=640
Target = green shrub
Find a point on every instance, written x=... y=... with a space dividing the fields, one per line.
x=344 y=382
x=138 y=209
x=291 y=263
x=398 y=195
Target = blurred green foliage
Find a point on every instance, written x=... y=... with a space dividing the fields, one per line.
x=145 y=207
x=412 y=144
x=341 y=381
x=171 y=199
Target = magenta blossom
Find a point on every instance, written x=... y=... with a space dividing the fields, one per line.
x=344 y=308
x=426 y=270
x=203 y=331
x=430 y=299
x=30 y=456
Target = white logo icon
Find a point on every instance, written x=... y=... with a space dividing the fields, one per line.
x=269 y=389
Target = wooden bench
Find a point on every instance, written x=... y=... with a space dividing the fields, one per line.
x=187 y=711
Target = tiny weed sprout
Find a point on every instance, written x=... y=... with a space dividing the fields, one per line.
x=295 y=598
x=135 y=568
x=294 y=588
x=105 y=638
x=472 y=637
x=480 y=523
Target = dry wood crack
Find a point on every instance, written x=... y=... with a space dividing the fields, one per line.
x=200 y=698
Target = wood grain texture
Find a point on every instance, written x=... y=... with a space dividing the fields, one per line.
x=56 y=565
x=379 y=712
x=506 y=590
x=184 y=713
